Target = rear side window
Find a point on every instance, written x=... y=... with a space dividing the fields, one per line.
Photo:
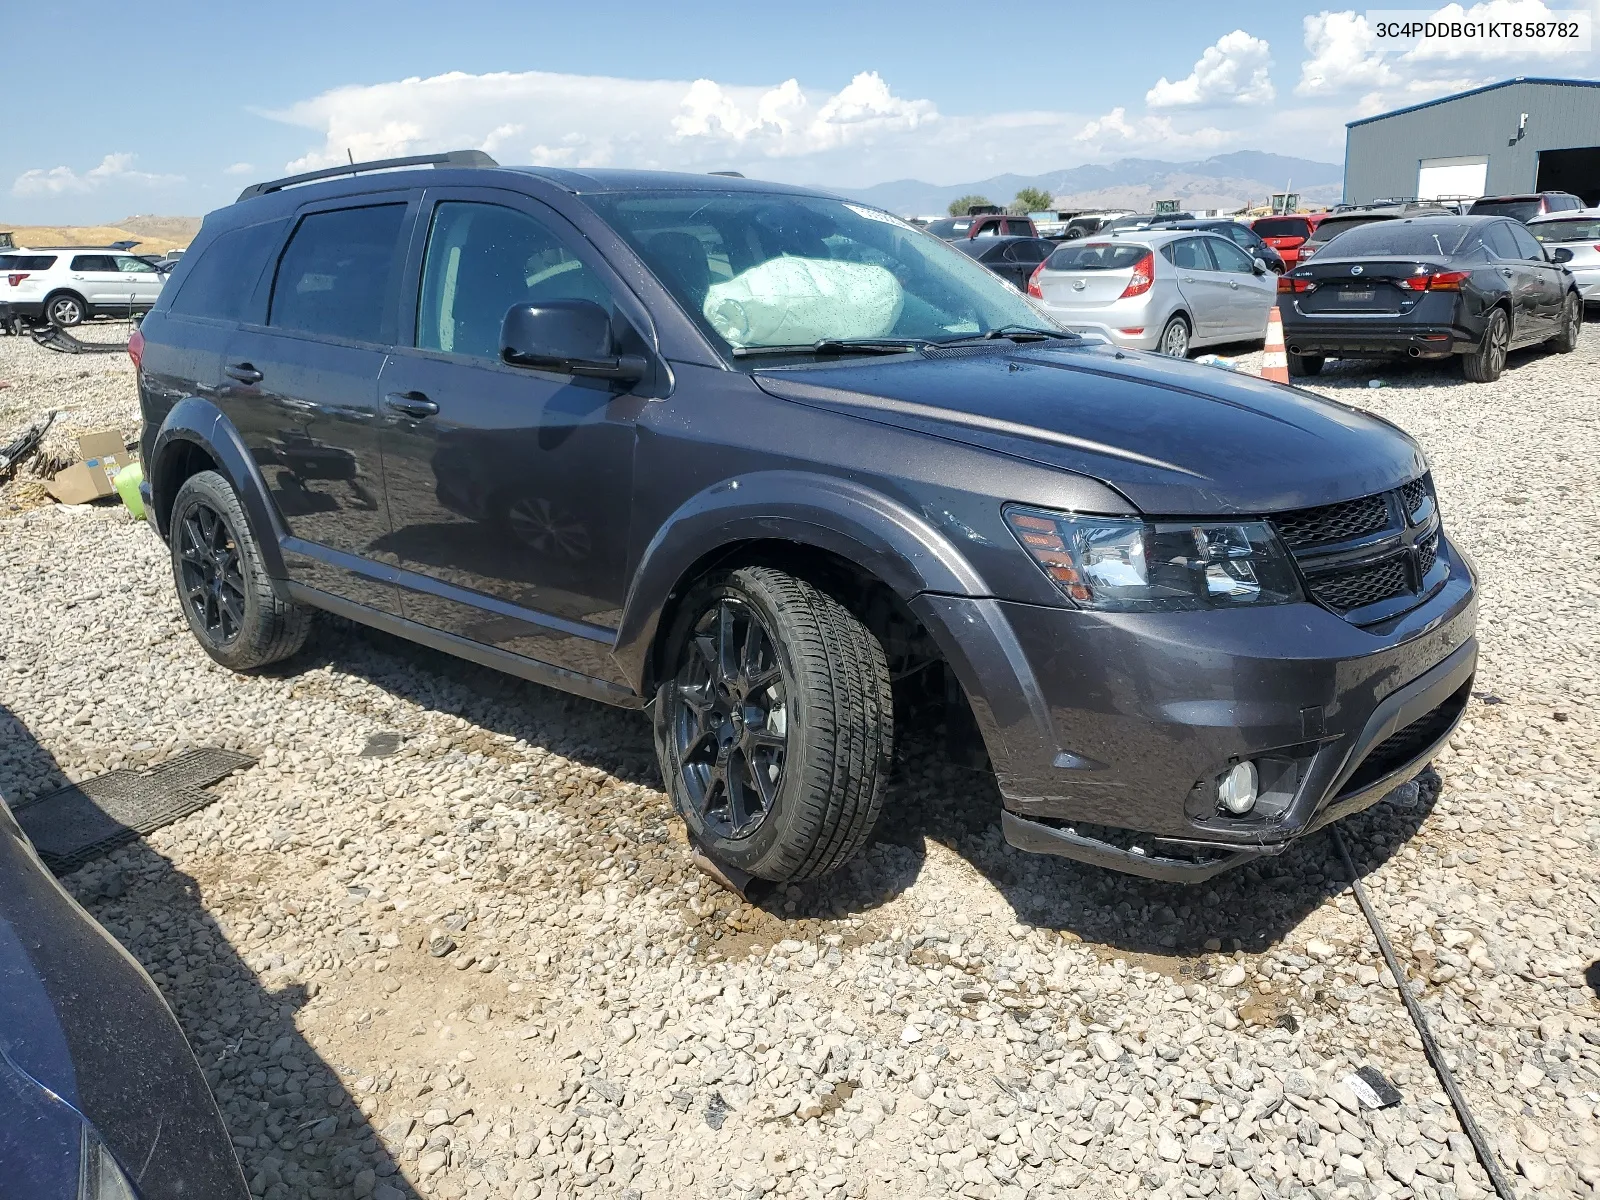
x=27 y=262
x=1097 y=256
x=221 y=281
x=1189 y=254
x=1527 y=246
x=335 y=275
x=1020 y=228
x=94 y=262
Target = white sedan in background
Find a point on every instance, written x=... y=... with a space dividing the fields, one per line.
x=1578 y=233
x=1168 y=291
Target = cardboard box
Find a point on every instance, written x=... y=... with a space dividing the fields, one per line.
x=102 y=455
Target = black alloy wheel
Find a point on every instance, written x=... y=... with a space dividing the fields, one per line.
x=1566 y=339
x=730 y=723
x=1485 y=364
x=213 y=586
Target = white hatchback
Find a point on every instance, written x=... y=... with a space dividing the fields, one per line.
x=1163 y=291
x=66 y=285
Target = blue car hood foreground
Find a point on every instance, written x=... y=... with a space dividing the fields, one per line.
x=1176 y=438
x=85 y=1034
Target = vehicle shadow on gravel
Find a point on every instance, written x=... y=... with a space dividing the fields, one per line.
x=932 y=798
x=1409 y=372
x=296 y=1131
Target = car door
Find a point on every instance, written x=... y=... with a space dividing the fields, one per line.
x=1026 y=257
x=140 y=280
x=509 y=488
x=302 y=389
x=1203 y=288
x=96 y=278
x=1550 y=279
x=1249 y=295
x=1528 y=322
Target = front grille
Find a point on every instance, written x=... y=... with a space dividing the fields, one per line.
x=1413 y=494
x=1398 y=749
x=1333 y=522
x=1426 y=552
x=1395 y=532
x=1345 y=590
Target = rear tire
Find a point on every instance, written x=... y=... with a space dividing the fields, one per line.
x=1485 y=364
x=1566 y=341
x=66 y=310
x=1174 y=341
x=1306 y=364
x=776 y=729
x=222 y=581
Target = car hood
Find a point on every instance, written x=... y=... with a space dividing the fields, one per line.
x=1177 y=438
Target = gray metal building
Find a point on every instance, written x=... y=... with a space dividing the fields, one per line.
x=1522 y=135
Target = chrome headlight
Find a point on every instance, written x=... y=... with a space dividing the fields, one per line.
x=1118 y=564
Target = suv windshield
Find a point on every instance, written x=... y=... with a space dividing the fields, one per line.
x=776 y=270
x=1400 y=237
x=950 y=227
x=1282 y=227
x=1520 y=209
x=1576 y=229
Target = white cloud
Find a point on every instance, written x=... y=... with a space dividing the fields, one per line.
x=1233 y=71
x=59 y=181
x=239 y=168
x=1116 y=133
x=586 y=120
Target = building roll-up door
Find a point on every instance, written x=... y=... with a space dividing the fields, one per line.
x=1452 y=177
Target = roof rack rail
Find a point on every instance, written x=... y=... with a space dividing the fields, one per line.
x=451 y=158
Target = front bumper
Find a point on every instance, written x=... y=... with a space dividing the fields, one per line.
x=1108 y=731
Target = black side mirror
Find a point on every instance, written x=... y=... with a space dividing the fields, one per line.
x=1561 y=255
x=569 y=337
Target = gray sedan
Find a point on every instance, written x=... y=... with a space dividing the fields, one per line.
x=1578 y=233
x=1163 y=291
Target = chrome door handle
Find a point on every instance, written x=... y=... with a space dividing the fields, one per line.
x=410 y=404
x=1234 y=284
x=243 y=372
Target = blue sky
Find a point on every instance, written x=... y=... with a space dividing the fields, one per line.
x=202 y=98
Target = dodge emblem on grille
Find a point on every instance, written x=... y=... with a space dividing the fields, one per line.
x=1355 y=270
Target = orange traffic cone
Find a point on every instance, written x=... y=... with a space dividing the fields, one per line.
x=1274 y=359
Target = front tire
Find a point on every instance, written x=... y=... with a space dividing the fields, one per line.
x=1566 y=341
x=1485 y=364
x=776 y=728
x=1174 y=341
x=222 y=581
x=66 y=310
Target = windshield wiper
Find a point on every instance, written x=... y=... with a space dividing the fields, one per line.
x=1017 y=333
x=836 y=346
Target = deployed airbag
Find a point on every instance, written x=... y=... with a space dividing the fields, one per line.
x=796 y=301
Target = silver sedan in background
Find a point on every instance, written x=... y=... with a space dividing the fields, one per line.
x=1162 y=291
x=1578 y=233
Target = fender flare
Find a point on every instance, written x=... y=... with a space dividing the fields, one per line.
x=198 y=422
x=881 y=536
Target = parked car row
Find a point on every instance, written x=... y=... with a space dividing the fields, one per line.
x=67 y=285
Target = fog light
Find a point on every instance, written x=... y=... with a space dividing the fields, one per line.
x=1236 y=791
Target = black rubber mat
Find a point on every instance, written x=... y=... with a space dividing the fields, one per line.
x=72 y=825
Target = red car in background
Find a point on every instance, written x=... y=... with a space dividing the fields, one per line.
x=1286 y=234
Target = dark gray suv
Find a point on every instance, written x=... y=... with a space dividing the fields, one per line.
x=768 y=462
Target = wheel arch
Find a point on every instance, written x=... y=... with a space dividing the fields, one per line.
x=786 y=519
x=196 y=436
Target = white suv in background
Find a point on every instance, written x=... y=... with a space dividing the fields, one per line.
x=66 y=285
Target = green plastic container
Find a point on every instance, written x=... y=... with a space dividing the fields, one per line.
x=127 y=483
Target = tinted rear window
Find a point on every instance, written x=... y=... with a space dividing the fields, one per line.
x=1520 y=209
x=1097 y=256
x=1401 y=238
x=1331 y=229
x=27 y=262
x=222 y=279
x=334 y=277
x=948 y=228
x=1585 y=229
x=1282 y=227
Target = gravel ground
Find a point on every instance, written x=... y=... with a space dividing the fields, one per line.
x=444 y=939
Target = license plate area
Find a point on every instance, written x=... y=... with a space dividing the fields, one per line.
x=1350 y=295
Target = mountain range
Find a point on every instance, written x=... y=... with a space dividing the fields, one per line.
x=1222 y=181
